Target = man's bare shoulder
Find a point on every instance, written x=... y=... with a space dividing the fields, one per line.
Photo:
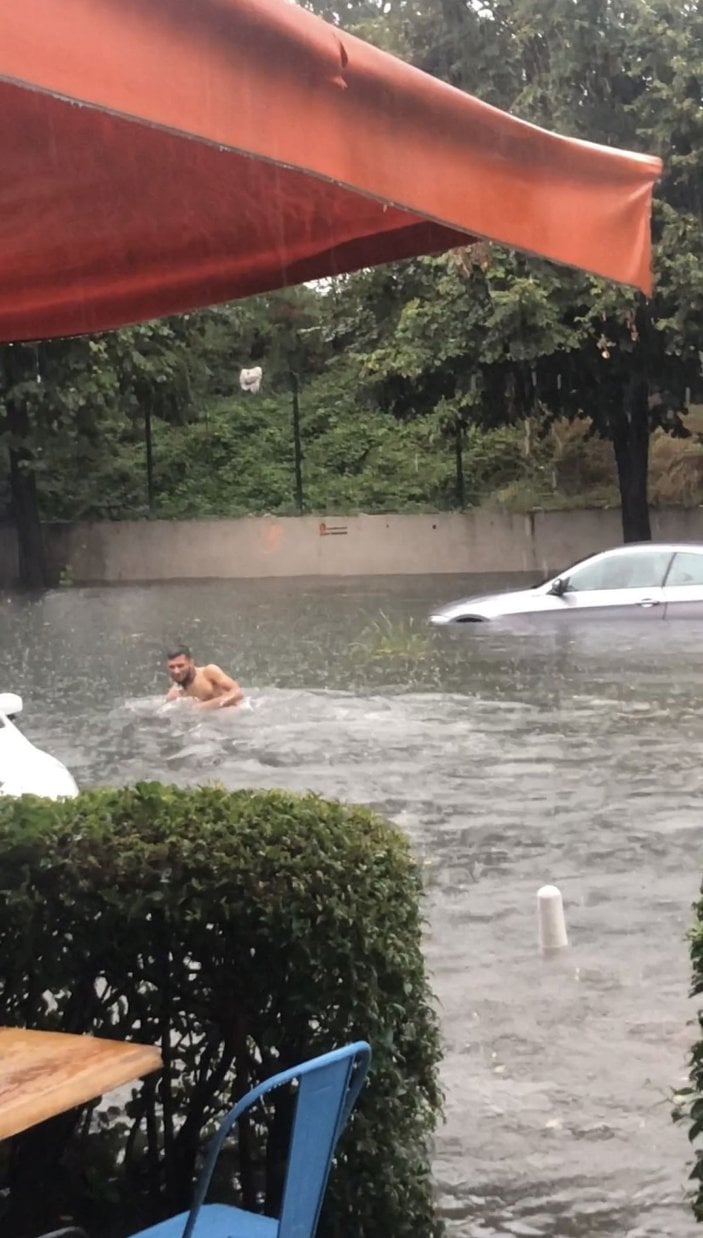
x=215 y=674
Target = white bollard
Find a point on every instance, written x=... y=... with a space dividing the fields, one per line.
x=552 y=922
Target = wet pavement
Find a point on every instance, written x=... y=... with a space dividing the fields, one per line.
x=512 y=760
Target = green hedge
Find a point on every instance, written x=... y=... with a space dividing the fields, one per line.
x=688 y=1106
x=241 y=933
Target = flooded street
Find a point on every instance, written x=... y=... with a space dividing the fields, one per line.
x=511 y=760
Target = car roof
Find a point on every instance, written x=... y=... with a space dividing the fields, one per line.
x=642 y=547
x=673 y=547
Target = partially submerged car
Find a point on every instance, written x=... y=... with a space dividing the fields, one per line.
x=651 y=581
x=24 y=769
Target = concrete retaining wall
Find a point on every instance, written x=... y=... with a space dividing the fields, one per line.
x=479 y=541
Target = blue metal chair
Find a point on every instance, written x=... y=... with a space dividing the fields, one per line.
x=328 y=1088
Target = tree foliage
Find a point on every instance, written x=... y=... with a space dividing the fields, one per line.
x=688 y=1101
x=417 y=357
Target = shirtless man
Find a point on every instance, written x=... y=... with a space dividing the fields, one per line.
x=208 y=686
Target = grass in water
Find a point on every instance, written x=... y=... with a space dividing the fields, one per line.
x=388 y=639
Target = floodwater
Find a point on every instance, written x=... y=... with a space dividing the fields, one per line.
x=511 y=760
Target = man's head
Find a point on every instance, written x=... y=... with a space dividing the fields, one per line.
x=180 y=665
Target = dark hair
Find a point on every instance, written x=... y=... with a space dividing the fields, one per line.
x=180 y=651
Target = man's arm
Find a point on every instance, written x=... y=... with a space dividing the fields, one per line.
x=229 y=691
x=174 y=693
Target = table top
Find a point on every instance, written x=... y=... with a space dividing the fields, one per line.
x=45 y=1073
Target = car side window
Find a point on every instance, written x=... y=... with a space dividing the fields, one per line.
x=687 y=569
x=638 y=570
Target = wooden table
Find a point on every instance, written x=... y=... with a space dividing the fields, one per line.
x=45 y=1073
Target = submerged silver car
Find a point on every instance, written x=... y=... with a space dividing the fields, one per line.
x=654 y=580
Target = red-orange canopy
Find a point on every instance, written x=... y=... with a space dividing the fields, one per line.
x=157 y=155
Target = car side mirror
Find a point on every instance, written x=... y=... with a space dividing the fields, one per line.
x=10 y=704
x=559 y=586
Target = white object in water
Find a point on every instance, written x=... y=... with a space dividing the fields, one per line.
x=552 y=922
x=250 y=380
x=24 y=769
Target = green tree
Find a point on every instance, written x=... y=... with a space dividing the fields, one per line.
x=628 y=74
x=631 y=74
x=77 y=416
x=464 y=350
x=52 y=393
x=431 y=351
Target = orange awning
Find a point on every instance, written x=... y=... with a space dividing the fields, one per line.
x=159 y=155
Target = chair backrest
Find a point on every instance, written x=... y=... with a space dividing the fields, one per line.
x=328 y=1087
x=326 y=1095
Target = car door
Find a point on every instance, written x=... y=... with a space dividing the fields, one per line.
x=683 y=587
x=625 y=583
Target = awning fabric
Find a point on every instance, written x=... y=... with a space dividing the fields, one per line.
x=159 y=155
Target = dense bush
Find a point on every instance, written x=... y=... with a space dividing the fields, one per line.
x=241 y=933
x=688 y=1105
